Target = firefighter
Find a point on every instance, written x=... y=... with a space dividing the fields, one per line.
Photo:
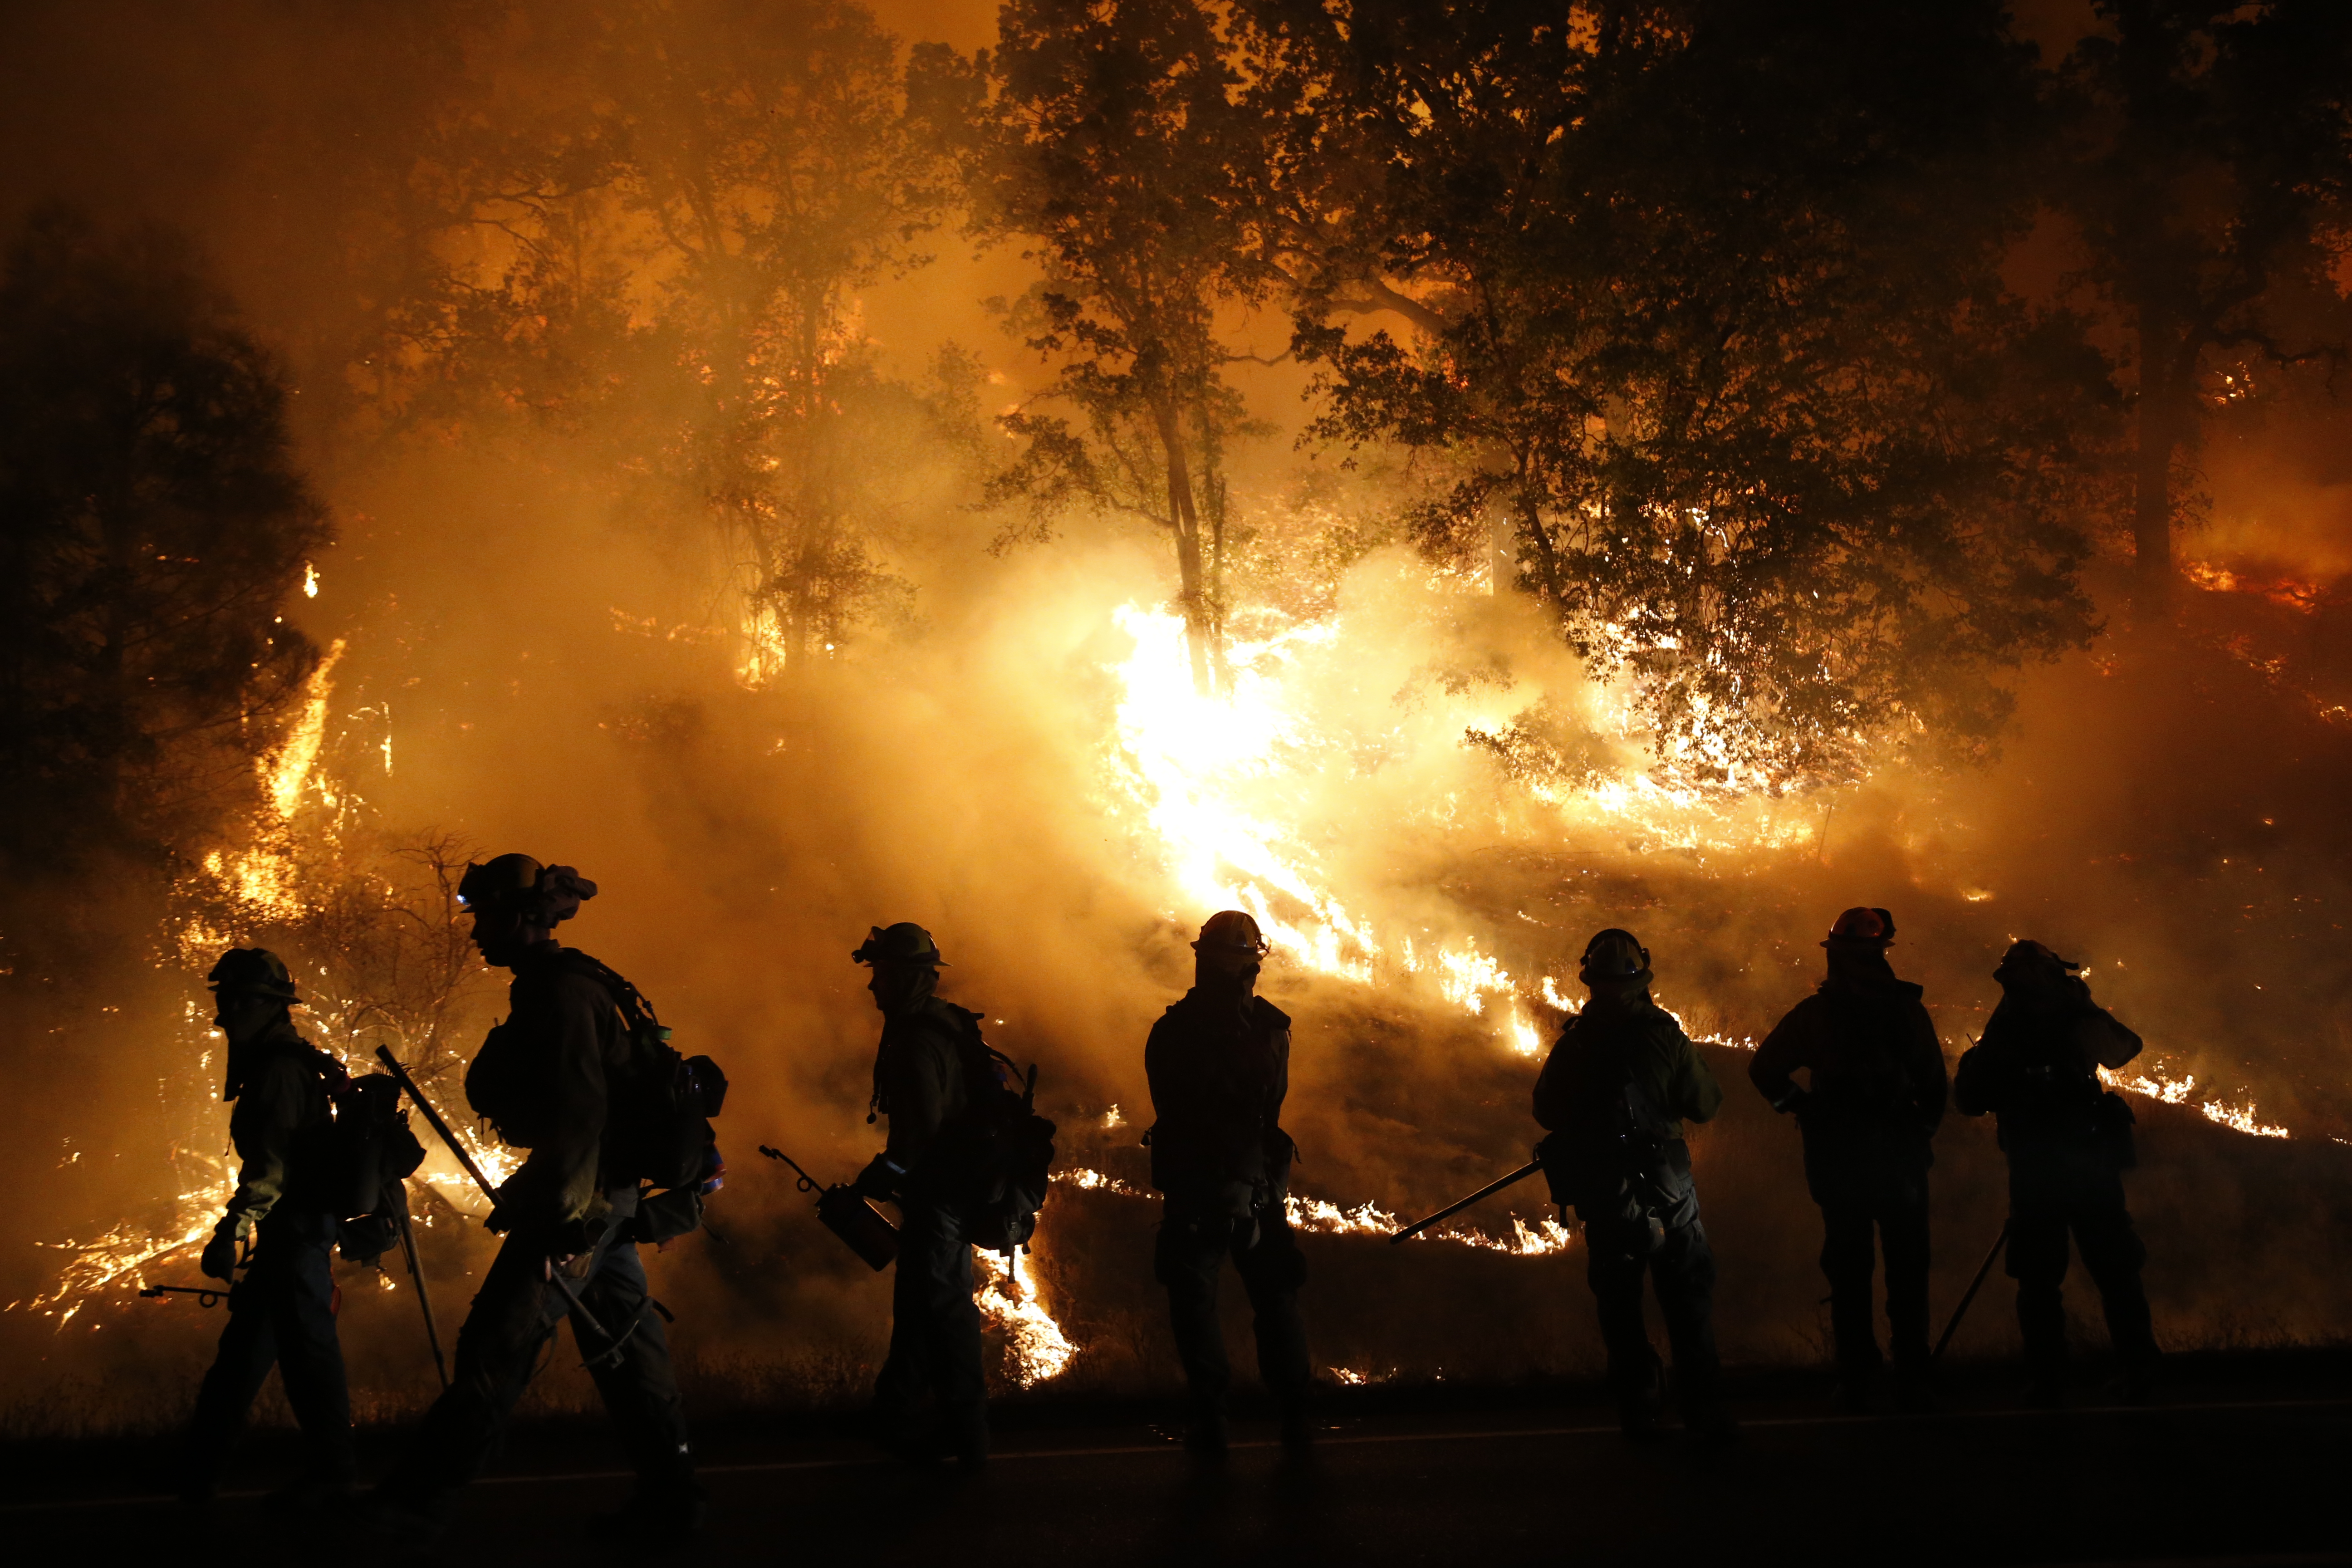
x=1219 y=1065
x=1875 y=1093
x=282 y=1313
x=1614 y=1095
x=920 y=1071
x=2068 y=1141
x=541 y=1078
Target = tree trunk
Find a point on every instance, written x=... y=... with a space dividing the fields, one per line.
x=2159 y=438
x=1192 y=591
x=1212 y=490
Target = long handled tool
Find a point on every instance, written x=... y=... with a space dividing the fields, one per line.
x=204 y=1298
x=1489 y=1191
x=424 y=1296
x=580 y=1312
x=1974 y=1286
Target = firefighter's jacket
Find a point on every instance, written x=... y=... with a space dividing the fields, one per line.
x=280 y=1128
x=1606 y=1042
x=569 y=1028
x=2036 y=1069
x=1876 y=1067
x=919 y=1075
x=1219 y=1071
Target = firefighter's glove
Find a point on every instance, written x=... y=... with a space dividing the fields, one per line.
x=880 y=1178
x=1793 y=1101
x=369 y=1238
x=220 y=1256
x=575 y=1237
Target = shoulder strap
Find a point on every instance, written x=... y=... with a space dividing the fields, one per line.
x=333 y=1076
x=636 y=1010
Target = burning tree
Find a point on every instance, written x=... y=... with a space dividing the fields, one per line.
x=1115 y=141
x=682 y=228
x=151 y=523
x=1712 y=332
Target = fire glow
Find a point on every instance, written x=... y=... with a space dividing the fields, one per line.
x=1036 y=1348
x=1320 y=1216
x=1224 y=782
x=1193 y=762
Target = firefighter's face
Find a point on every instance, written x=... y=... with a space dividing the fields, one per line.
x=895 y=984
x=503 y=935
x=242 y=1015
x=1231 y=965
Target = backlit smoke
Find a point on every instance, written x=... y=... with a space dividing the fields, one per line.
x=1407 y=779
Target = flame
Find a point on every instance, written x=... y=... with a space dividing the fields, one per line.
x=1088 y=1180
x=1321 y=1217
x=2177 y=1091
x=1185 y=751
x=1188 y=758
x=286 y=770
x=1036 y=1348
x=261 y=879
x=2292 y=593
x=1542 y=1240
x=122 y=1253
x=1225 y=784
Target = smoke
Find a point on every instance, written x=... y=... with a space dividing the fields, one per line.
x=1417 y=787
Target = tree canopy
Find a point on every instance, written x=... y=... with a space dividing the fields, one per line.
x=2208 y=164
x=1712 y=332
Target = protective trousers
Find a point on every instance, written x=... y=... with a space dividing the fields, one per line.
x=2052 y=1193
x=281 y=1314
x=1190 y=1259
x=507 y=1331
x=1625 y=1234
x=934 y=1328
x=1893 y=1204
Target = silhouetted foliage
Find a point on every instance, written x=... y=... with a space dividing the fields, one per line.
x=151 y=523
x=661 y=254
x=1115 y=141
x=1711 y=326
x=2211 y=176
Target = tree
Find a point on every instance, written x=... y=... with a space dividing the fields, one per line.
x=2210 y=182
x=654 y=238
x=1711 y=326
x=1114 y=144
x=151 y=523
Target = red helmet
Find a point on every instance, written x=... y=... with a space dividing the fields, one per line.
x=1861 y=925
